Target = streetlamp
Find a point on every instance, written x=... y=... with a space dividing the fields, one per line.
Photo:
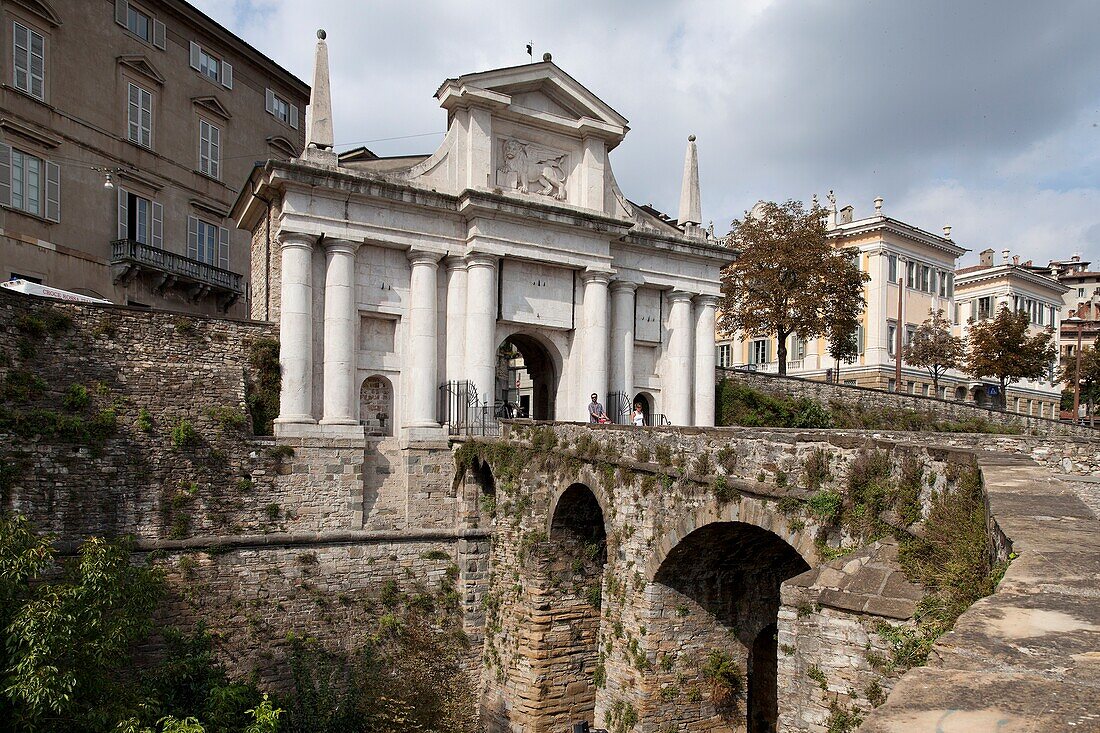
x=1076 y=320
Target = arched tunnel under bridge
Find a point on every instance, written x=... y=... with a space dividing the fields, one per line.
x=582 y=628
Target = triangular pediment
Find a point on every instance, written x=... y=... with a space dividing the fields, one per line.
x=211 y=104
x=41 y=9
x=141 y=65
x=541 y=88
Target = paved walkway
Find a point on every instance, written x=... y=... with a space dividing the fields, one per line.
x=1026 y=658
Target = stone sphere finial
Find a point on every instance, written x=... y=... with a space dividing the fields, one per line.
x=691 y=138
x=547 y=57
x=321 y=34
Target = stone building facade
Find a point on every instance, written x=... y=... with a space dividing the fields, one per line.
x=169 y=109
x=417 y=271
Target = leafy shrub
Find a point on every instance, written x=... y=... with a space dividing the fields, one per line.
x=145 y=421
x=826 y=504
x=184 y=435
x=262 y=385
x=21 y=385
x=816 y=469
x=228 y=417
x=76 y=398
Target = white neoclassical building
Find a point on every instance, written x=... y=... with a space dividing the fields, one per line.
x=405 y=287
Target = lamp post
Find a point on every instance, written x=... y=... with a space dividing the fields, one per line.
x=1080 y=323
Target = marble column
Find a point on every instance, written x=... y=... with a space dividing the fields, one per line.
x=481 y=324
x=455 y=365
x=422 y=341
x=622 y=337
x=296 y=329
x=341 y=333
x=676 y=381
x=875 y=347
x=705 y=306
x=595 y=336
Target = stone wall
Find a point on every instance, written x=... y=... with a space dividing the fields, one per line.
x=825 y=393
x=260 y=540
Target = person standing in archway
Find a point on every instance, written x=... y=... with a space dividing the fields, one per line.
x=638 y=417
x=596 y=412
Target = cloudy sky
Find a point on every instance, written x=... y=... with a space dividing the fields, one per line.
x=981 y=115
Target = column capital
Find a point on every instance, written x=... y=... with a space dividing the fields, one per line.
x=291 y=240
x=336 y=244
x=678 y=295
x=454 y=262
x=424 y=257
x=621 y=285
x=600 y=276
x=481 y=259
x=703 y=300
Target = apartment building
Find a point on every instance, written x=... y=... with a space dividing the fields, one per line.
x=900 y=259
x=983 y=289
x=126 y=130
x=912 y=274
x=1081 y=300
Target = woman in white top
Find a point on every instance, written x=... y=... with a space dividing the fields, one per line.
x=638 y=417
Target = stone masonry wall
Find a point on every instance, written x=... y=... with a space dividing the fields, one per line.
x=262 y=541
x=825 y=392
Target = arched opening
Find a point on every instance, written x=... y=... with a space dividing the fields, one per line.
x=574 y=563
x=960 y=393
x=723 y=581
x=376 y=406
x=646 y=401
x=526 y=380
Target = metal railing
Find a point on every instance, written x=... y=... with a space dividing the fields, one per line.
x=462 y=412
x=130 y=251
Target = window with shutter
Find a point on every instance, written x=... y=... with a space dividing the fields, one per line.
x=139 y=219
x=227 y=75
x=223 y=248
x=209 y=149
x=5 y=175
x=159 y=35
x=157 y=238
x=294 y=116
x=28 y=183
x=207 y=242
x=140 y=116
x=29 y=61
x=53 y=192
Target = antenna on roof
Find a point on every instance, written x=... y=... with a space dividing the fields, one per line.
x=531 y=50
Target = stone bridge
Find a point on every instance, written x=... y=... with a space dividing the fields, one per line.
x=680 y=580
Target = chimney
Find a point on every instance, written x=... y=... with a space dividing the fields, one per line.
x=1004 y=256
x=946 y=232
x=846 y=214
x=1016 y=259
x=986 y=257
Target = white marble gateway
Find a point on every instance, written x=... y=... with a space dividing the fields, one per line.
x=413 y=272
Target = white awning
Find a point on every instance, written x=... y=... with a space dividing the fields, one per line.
x=26 y=286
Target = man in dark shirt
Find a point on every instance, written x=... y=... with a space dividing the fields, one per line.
x=595 y=409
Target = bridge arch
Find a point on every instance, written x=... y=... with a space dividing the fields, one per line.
x=721 y=580
x=747 y=511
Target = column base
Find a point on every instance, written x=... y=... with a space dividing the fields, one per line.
x=423 y=433
x=338 y=421
x=295 y=420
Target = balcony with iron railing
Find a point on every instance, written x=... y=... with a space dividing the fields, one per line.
x=130 y=258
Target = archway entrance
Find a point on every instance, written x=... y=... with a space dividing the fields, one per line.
x=722 y=581
x=526 y=380
x=376 y=406
x=646 y=401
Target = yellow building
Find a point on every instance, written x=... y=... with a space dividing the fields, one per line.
x=900 y=259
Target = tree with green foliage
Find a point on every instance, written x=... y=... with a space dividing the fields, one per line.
x=788 y=278
x=935 y=348
x=1004 y=347
x=69 y=630
x=1089 y=379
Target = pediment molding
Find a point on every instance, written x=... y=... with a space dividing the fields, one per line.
x=141 y=65
x=283 y=145
x=213 y=105
x=542 y=93
x=40 y=9
x=42 y=139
